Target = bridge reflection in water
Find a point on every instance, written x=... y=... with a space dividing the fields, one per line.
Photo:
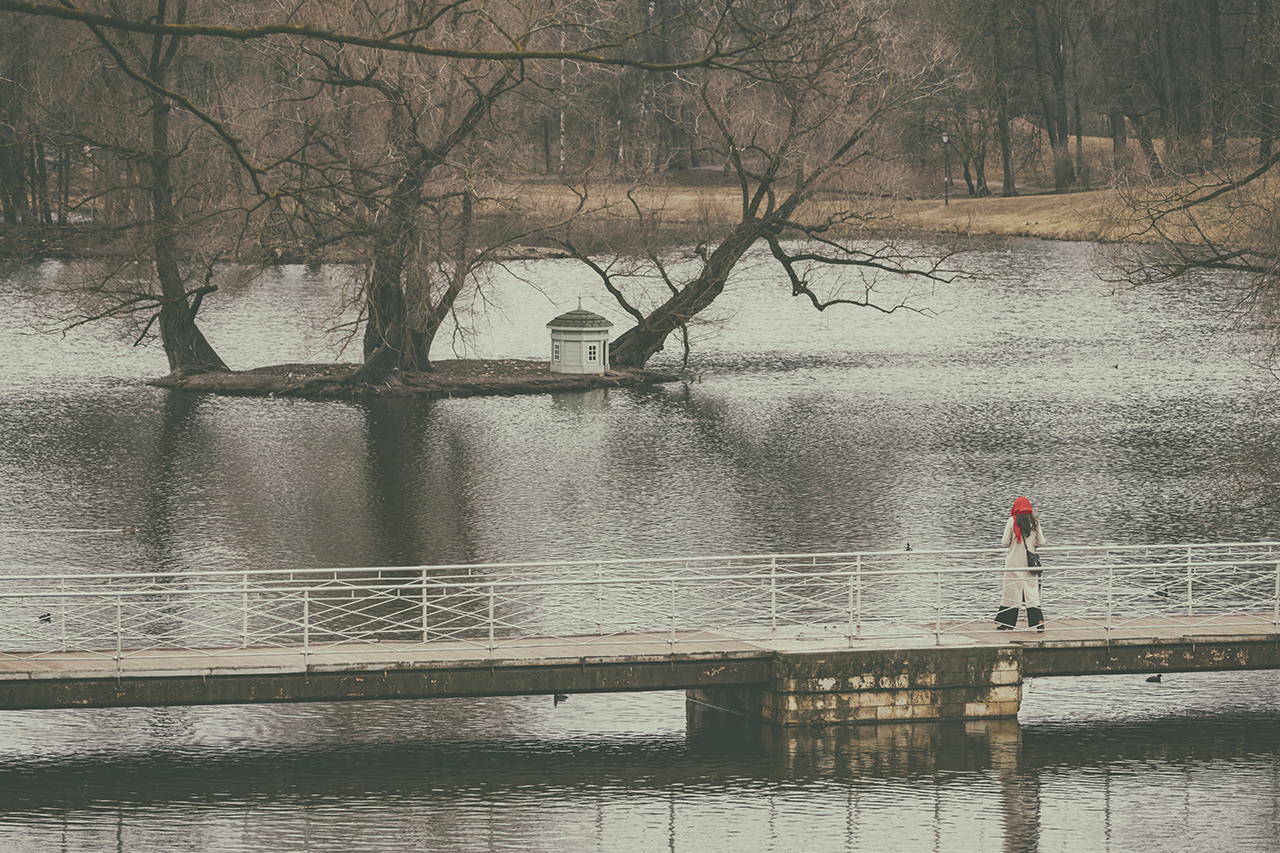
x=455 y=770
x=795 y=639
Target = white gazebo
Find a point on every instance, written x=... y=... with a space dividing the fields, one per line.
x=579 y=342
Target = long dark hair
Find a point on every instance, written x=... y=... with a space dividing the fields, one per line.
x=1026 y=522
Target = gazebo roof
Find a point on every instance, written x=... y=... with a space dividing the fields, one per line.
x=579 y=318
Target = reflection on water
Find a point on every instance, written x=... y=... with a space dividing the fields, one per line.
x=601 y=772
x=1121 y=416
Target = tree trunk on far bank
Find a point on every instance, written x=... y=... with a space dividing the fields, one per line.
x=1147 y=146
x=1010 y=188
x=1119 y=141
x=1266 y=113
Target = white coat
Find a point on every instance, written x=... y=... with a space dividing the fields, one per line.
x=1021 y=587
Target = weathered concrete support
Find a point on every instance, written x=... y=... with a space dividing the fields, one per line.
x=1187 y=654
x=879 y=686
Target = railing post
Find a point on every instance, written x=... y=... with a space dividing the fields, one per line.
x=672 y=639
x=1275 y=619
x=773 y=593
x=493 y=593
x=859 y=576
x=119 y=632
x=306 y=623
x=1189 y=570
x=937 y=609
x=1111 y=573
x=62 y=614
x=424 y=606
x=244 y=603
x=599 y=599
x=853 y=591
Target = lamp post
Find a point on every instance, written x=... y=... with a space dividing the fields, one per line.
x=946 y=169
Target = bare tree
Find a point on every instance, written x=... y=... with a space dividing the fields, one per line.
x=161 y=181
x=394 y=139
x=806 y=137
x=1216 y=213
x=380 y=144
x=415 y=150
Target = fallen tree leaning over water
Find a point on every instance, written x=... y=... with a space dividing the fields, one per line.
x=807 y=133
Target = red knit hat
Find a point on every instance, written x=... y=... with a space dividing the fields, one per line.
x=1020 y=506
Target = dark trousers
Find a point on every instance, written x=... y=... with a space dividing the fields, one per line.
x=1007 y=618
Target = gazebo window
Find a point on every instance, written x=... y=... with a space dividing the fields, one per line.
x=593 y=353
x=555 y=351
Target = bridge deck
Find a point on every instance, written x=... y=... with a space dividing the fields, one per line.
x=620 y=663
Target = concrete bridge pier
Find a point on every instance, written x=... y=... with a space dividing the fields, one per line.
x=878 y=685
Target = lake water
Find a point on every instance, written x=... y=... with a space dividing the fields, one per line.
x=1127 y=418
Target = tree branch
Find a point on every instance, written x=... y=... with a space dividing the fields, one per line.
x=719 y=58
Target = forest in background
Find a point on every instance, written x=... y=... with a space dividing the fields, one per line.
x=421 y=141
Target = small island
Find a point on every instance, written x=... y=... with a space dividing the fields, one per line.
x=504 y=377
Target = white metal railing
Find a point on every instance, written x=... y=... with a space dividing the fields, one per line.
x=855 y=596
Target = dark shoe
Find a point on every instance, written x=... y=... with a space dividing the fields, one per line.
x=1035 y=618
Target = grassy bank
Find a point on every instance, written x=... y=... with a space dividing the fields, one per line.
x=1084 y=216
x=713 y=207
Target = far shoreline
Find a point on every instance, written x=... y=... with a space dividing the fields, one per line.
x=1084 y=215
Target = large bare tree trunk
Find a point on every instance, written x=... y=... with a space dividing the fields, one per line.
x=400 y=325
x=384 y=327
x=425 y=322
x=1146 y=145
x=637 y=345
x=184 y=344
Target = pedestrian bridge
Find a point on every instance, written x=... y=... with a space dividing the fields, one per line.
x=793 y=638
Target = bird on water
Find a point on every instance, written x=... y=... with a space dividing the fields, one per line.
x=1154 y=679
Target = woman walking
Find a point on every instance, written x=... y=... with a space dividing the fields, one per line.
x=1022 y=536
